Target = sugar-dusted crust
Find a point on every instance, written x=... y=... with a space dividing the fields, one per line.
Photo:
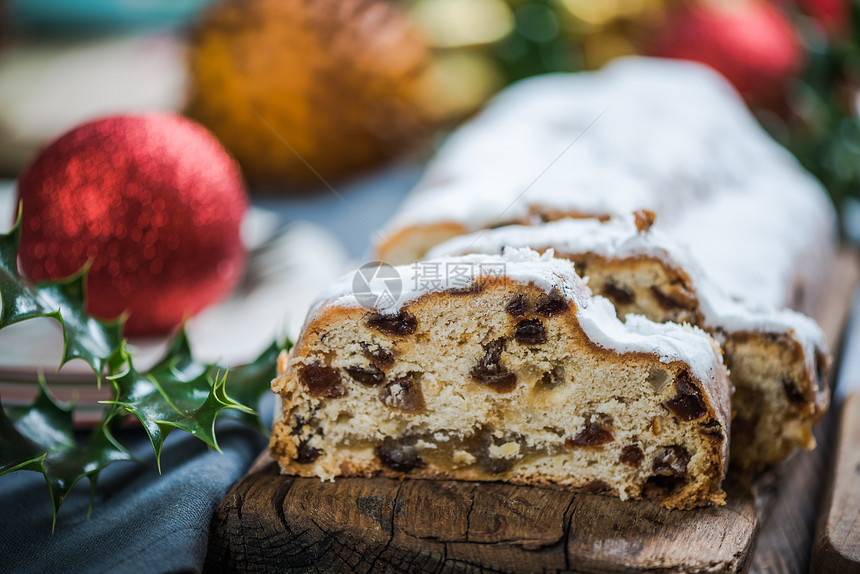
x=522 y=378
x=778 y=360
x=413 y=243
x=404 y=245
x=639 y=134
x=671 y=137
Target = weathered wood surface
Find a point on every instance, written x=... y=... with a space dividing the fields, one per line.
x=837 y=542
x=787 y=531
x=274 y=523
x=789 y=500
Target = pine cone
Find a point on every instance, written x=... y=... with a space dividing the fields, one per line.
x=336 y=85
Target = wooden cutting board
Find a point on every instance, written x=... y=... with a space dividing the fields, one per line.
x=274 y=523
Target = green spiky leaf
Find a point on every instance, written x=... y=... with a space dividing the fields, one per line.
x=177 y=393
x=84 y=337
x=249 y=383
x=41 y=438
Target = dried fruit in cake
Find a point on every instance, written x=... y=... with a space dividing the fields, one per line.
x=778 y=360
x=522 y=377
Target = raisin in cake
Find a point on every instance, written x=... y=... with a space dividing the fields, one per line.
x=518 y=374
x=777 y=359
x=667 y=136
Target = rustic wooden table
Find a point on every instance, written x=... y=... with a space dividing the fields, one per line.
x=274 y=523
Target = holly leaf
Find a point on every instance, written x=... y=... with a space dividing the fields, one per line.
x=178 y=360
x=84 y=337
x=176 y=394
x=250 y=382
x=41 y=438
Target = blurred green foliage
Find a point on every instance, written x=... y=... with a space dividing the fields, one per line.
x=539 y=43
x=824 y=130
x=820 y=124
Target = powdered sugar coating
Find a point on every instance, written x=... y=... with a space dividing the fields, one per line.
x=771 y=246
x=519 y=265
x=595 y=315
x=668 y=136
x=620 y=238
x=642 y=133
x=669 y=341
x=617 y=237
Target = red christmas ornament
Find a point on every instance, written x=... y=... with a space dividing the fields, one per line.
x=749 y=42
x=834 y=16
x=153 y=201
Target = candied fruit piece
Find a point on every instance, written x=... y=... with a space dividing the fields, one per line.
x=551 y=304
x=403 y=394
x=795 y=396
x=379 y=357
x=497 y=454
x=658 y=485
x=619 y=294
x=712 y=429
x=306 y=453
x=367 y=376
x=321 y=381
x=644 y=219
x=597 y=432
x=687 y=405
x=581 y=266
x=490 y=371
x=399 y=455
x=517 y=306
x=530 y=332
x=665 y=302
x=671 y=461
x=298 y=425
x=400 y=324
x=632 y=455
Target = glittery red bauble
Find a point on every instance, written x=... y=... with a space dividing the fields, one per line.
x=153 y=201
x=834 y=16
x=749 y=42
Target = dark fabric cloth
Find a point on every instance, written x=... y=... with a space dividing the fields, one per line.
x=141 y=521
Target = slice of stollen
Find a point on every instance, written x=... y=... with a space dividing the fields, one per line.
x=777 y=359
x=506 y=369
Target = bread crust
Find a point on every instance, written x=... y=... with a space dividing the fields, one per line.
x=778 y=360
x=361 y=461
